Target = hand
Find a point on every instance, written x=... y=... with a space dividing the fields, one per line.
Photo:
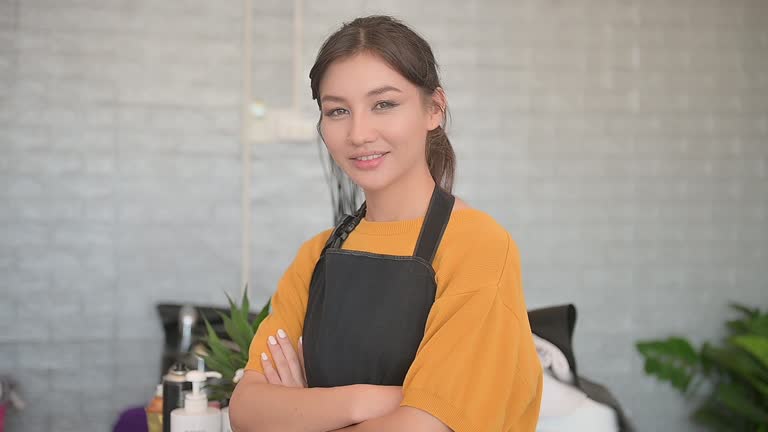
x=290 y=366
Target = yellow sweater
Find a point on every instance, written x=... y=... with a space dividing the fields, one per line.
x=476 y=368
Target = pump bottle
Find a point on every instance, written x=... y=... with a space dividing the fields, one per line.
x=196 y=415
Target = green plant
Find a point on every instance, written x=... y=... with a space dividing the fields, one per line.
x=731 y=379
x=228 y=355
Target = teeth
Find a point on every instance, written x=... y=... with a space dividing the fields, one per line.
x=367 y=158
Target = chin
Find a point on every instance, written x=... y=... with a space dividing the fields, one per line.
x=371 y=183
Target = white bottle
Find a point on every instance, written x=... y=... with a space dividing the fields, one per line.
x=196 y=415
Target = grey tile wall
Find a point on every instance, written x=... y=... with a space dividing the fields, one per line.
x=623 y=144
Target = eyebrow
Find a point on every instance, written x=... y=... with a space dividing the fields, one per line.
x=374 y=92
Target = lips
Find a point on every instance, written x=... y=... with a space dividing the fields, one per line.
x=368 y=155
x=369 y=164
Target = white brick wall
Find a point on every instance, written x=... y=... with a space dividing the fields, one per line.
x=623 y=144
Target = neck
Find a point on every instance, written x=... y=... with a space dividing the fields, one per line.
x=404 y=200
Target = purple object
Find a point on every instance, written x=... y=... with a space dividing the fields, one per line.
x=132 y=420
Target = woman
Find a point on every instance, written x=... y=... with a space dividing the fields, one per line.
x=411 y=310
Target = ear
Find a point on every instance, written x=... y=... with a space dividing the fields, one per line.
x=436 y=109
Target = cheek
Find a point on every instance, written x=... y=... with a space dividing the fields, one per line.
x=332 y=135
x=335 y=139
x=406 y=133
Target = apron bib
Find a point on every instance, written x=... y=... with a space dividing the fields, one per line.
x=366 y=312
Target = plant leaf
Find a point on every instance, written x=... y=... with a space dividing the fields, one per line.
x=218 y=365
x=240 y=331
x=734 y=396
x=761 y=387
x=231 y=353
x=755 y=345
x=262 y=315
x=245 y=303
x=239 y=334
x=229 y=300
x=759 y=326
x=678 y=376
x=235 y=312
x=218 y=358
x=673 y=348
x=736 y=372
x=738 y=326
x=734 y=361
x=745 y=310
x=711 y=415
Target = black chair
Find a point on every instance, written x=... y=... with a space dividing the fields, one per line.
x=556 y=325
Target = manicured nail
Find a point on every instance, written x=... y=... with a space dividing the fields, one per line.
x=264 y=356
x=272 y=340
x=301 y=340
x=281 y=333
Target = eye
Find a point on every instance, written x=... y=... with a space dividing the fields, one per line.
x=334 y=112
x=385 y=105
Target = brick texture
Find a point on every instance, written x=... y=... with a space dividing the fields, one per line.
x=623 y=144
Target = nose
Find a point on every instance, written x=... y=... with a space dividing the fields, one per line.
x=361 y=130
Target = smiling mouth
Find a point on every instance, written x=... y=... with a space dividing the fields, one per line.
x=370 y=157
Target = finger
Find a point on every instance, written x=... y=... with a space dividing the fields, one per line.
x=269 y=371
x=290 y=354
x=281 y=363
x=301 y=360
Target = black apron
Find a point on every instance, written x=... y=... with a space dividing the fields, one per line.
x=366 y=312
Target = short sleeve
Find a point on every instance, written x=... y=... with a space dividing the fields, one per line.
x=288 y=303
x=476 y=368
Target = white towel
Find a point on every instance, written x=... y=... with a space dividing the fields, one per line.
x=564 y=407
x=552 y=358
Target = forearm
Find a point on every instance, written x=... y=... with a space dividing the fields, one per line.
x=402 y=418
x=267 y=408
x=390 y=422
x=382 y=424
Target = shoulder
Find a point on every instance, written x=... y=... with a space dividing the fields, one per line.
x=478 y=253
x=313 y=247
x=475 y=251
x=309 y=253
x=476 y=228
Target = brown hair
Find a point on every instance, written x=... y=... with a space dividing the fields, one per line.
x=406 y=52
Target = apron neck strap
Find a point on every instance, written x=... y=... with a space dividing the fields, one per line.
x=435 y=221
x=346 y=226
x=438 y=214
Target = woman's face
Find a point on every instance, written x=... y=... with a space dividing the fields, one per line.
x=369 y=109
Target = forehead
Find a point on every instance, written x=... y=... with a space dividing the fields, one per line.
x=355 y=76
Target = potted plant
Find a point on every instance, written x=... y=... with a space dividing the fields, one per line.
x=229 y=355
x=731 y=378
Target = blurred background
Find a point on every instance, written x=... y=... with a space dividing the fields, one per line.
x=623 y=144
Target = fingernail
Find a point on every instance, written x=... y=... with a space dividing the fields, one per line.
x=301 y=340
x=281 y=333
x=264 y=356
x=272 y=340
